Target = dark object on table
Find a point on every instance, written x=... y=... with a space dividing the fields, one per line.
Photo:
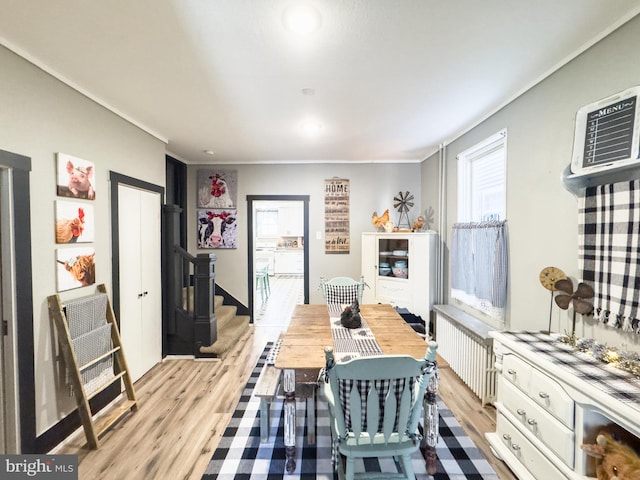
x=350 y=317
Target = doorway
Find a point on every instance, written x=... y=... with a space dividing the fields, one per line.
x=18 y=425
x=278 y=255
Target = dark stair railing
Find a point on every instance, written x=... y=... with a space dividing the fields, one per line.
x=188 y=317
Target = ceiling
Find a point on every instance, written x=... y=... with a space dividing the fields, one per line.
x=390 y=80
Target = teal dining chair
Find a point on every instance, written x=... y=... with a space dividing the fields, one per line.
x=342 y=290
x=375 y=405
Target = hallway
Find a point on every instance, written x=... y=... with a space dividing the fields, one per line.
x=272 y=317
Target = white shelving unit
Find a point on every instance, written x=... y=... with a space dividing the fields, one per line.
x=414 y=290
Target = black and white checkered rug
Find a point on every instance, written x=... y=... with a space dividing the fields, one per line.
x=241 y=456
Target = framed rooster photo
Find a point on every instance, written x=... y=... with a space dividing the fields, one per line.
x=217 y=188
x=74 y=222
x=76 y=177
x=75 y=267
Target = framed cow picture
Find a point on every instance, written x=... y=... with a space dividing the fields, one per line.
x=217 y=189
x=217 y=228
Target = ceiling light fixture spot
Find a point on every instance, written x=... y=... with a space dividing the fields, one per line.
x=209 y=152
x=308 y=91
x=311 y=128
x=301 y=18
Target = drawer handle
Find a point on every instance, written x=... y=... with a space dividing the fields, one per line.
x=506 y=436
x=521 y=412
x=532 y=421
x=515 y=446
x=511 y=371
x=544 y=395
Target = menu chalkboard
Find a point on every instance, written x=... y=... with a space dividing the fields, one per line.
x=607 y=133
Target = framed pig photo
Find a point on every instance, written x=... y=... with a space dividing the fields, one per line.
x=76 y=177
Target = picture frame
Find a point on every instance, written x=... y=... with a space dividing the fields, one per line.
x=75 y=267
x=75 y=222
x=217 y=228
x=75 y=177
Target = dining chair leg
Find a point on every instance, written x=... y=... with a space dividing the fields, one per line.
x=311 y=418
x=407 y=468
x=351 y=468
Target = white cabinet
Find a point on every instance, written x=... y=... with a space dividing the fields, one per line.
x=140 y=284
x=291 y=221
x=288 y=262
x=546 y=408
x=400 y=269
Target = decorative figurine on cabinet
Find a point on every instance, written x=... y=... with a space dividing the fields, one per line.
x=381 y=221
x=616 y=460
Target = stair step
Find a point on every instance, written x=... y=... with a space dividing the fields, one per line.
x=224 y=315
x=227 y=336
x=218 y=300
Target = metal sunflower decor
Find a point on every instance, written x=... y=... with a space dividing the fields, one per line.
x=403 y=202
x=577 y=299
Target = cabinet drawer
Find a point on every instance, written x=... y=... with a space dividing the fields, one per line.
x=524 y=452
x=541 y=424
x=392 y=290
x=517 y=371
x=552 y=397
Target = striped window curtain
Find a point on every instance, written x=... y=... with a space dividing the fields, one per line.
x=479 y=266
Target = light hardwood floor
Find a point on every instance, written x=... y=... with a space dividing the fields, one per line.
x=185 y=405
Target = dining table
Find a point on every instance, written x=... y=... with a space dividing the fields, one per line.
x=301 y=354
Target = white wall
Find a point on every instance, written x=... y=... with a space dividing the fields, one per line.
x=542 y=215
x=39 y=117
x=373 y=187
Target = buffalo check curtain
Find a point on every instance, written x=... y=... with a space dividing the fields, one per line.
x=609 y=251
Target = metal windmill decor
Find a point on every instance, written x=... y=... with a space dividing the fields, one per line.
x=577 y=299
x=403 y=202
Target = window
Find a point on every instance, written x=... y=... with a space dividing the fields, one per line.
x=481 y=180
x=267 y=222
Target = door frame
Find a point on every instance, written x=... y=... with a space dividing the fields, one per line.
x=21 y=401
x=250 y=275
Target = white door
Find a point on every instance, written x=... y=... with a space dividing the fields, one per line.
x=140 y=285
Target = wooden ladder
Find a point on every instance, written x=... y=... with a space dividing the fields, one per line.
x=93 y=428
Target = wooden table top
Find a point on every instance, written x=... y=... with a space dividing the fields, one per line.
x=310 y=331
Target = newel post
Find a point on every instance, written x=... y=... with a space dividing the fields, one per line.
x=205 y=331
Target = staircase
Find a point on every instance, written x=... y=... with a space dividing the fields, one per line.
x=231 y=327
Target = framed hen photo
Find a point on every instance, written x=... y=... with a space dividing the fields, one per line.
x=74 y=222
x=76 y=177
x=217 y=188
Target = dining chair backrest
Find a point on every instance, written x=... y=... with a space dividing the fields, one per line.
x=342 y=290
x=381 y=394
x=375 y=404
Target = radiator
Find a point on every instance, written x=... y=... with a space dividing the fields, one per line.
x=469 y=355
